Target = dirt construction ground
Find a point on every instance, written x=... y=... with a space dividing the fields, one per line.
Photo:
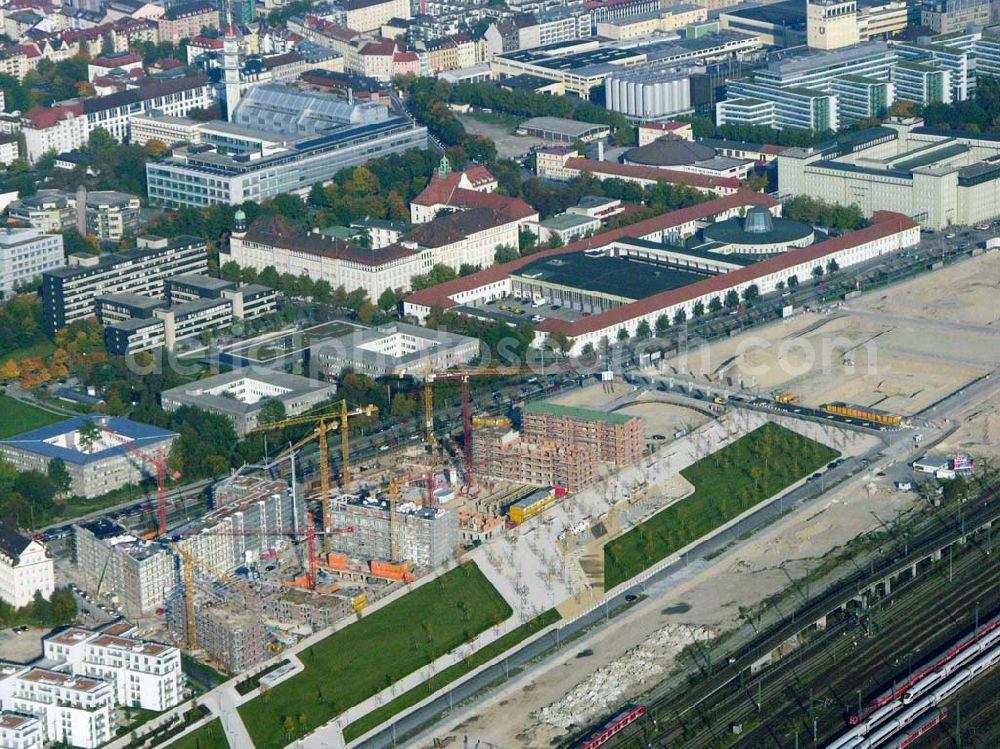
x=910 y=346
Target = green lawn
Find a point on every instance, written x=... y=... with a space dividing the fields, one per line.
x=38 y=350
x=407 y=699
x=21 y=417
x=365 y=657
x=495 y=118
x=209 y=736
x=727 y=483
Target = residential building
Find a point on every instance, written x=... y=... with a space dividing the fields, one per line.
x=20 y=731
x=25 y=254
x=664 y=20
x=241 y=394
x=9 y=149
x=67 y=126
x=144 y=674
x=617 y=439
x=186 y=20
x=68 y=293
x=72 y=709
x=112 y=308
x=235 y=641
x=136 y=334
x=426 y=537
x=394 y=348
x=138 y=572
x=369 y=15
x=107 y=214
x=26 y=568
x=499 y=454
x=96 y=464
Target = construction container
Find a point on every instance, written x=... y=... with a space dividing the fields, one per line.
x=533 y=504
x=389 y=570
x=786 y=397
x=359 y=602
x=863 y=412
x=336 y=561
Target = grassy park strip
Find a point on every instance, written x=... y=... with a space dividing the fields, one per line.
x=726 y=484
x=21 y=417
x=369 y=655
x=454 y=672
x=209 y=736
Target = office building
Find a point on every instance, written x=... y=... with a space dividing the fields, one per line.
x=25 y=254
x=936 y=177
x=97 y=463
x=241 y=394
x=68 y=293
x=959 y=62
x=66 y=126
x=394 y=348
x=832 y=24
x=25 y=568
x=278 y=140
x=948 y=16
x=105 y=214
x=860 y=98
x=46 y=210
x=781 y=24
x=167 y=130
x=987 y=50
x=193 y=319
x=923 y=84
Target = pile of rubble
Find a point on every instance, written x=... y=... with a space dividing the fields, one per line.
x=607 y=688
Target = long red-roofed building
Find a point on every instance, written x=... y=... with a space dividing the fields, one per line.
x=888 y=232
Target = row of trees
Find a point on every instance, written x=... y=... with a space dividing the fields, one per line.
x=981 y=113
x=822 y=213
x=703 y=127
x=21 y=323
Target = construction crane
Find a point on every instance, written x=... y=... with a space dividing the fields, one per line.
x=324 y=423
x=392 y=493
x=463 y=376
x=159 y=463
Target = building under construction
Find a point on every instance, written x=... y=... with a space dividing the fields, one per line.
x=504 y=454
x=235 y=640
x=253 y=516
x=115 y=562
x=425 y=536
x=618 y=438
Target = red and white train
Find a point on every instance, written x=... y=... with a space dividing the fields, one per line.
x=599 y=736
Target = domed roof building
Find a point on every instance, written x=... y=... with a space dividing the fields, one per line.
x=670 y=151
x=758 y=233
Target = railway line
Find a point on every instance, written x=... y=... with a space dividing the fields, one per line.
x=810 y=692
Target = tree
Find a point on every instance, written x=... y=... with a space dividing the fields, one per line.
x=156 y=149
x=101 y=140
x=622 y=334
x=817 y=272
x=662 y=323
x=273 y=410
x=75 y=242
x=751 y=293
x=643 y=330
x=833 y=266
x=230 y=271
x=388 y=299
x=59 y=475
x=561 y=341
x=793 y=281
x=37 y=489
x=732 y=300
x=505 y=253
x=699 y=309
x=680 y=317
x=89 y=433
x=780 y=286
x=367 y=312
x=715 y=305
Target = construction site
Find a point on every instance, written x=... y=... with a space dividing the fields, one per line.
x=283 y=553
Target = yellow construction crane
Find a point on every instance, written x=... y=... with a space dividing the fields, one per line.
x=324 y=423
x=187 y=567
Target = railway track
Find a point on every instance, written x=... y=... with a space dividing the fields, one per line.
x=809 y=692
x=972 y=722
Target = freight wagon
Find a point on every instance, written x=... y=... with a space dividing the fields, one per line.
x=864 y=413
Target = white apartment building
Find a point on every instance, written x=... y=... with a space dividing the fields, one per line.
x=144 y=674
x=191 y=319
x=26 y=253
x=72 y=709
x=25 y=567
x=20 y=731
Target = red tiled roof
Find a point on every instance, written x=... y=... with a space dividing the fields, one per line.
x=445 y=191
x=767 y=148
x=205 y=43
x=384 y=48
x=705 y=181
x=885 y=223
x=405 y=57
x=44 y=117
x=115 y=62
x=479 y=175
x=440 y=295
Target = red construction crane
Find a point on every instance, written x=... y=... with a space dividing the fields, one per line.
x=463 y=377
x=309 y=532
x=159 y=463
